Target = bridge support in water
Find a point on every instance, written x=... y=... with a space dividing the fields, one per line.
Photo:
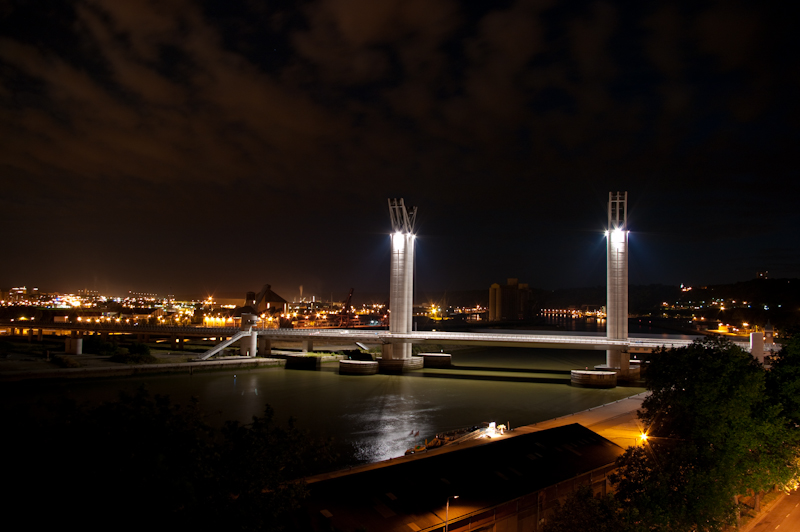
x=617 y=286
x=396 y=356
x=264 y=346
x=248 y=345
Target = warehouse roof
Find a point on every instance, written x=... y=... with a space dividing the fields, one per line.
x=411 y=494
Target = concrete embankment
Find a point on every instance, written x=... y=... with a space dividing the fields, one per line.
x=122 y=370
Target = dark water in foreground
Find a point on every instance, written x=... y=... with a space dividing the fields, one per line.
x=373 y=417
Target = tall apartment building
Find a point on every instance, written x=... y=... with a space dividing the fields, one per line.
x=510 y=302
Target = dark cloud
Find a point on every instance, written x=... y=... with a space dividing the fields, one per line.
x=280 y=128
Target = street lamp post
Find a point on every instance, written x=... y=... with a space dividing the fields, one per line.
x=447 y=512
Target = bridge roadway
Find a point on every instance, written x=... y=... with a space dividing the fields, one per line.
x=509 y=339
x=372 y=336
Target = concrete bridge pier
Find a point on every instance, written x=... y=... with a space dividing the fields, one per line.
x=73 y=345
x=248 y=345
x=40 y=335
x=264 y=346
x=308 y=345
x=617 y=358
x=396 y=358
x=30 y=335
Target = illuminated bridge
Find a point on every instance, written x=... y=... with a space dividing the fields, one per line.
x=307 y=337
x=396 y=342
x=509 y=339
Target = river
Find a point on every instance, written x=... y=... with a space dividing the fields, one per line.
x=375 y=417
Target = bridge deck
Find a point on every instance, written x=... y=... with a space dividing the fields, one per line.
x=371 y=336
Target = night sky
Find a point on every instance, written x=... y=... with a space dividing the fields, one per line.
x=191 y=148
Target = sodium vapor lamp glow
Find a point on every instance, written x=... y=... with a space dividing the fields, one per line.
x=447 y=512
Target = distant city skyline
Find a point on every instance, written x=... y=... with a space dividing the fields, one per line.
x=302 y=292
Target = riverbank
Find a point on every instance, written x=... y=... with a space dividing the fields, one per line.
x=33 y=361
x=616 y=421
x=112 y=369
x=36 y=363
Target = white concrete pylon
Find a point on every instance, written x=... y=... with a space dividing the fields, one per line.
x=401 y=282
x=617 y=277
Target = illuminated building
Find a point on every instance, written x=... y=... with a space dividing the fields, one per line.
x=18 y=293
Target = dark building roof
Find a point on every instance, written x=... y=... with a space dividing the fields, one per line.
x=411 y=495
x=255 y=303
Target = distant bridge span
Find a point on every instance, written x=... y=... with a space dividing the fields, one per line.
x=308 y=337
x=508 y=339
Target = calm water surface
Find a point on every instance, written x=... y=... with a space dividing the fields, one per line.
x=374 y=417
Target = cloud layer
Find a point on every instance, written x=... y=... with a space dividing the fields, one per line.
x=498 y=118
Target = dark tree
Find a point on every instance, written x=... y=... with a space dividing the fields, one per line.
x=713 y=434
x=783 y=380
x=145 y=463
x=585 y=511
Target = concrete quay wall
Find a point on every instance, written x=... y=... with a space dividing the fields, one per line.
x=140 y=369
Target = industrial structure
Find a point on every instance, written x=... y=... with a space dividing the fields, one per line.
x=617 y=285
x=396 y=356
x=510 y=302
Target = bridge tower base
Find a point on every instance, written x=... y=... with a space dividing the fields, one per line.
x=390 y=362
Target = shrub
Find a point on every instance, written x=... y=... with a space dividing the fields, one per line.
x=127 y=357
x=66 y=361
x=94 y=345
x=139 y=349
x=5 y=348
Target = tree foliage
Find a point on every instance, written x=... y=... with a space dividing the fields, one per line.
x=584 y=511
x=713 y=433
x=783 y=380
x=143 y=461
x=136 y=353
x=95 y=345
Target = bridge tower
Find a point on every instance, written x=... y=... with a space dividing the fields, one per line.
x=617 y=286
x=401 y=284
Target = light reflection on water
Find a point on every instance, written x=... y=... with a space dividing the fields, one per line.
x=375 y=417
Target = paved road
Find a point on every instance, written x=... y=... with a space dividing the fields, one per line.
x=784 y=516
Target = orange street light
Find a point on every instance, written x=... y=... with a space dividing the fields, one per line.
x=447 y=512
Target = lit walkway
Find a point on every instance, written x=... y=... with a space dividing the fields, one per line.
x=615 y=421
x=510 y=339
